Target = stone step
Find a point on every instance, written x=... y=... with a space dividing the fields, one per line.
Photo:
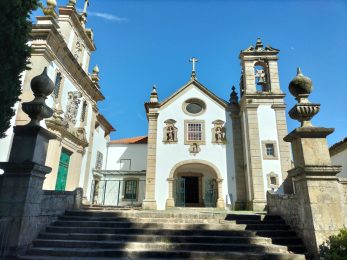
x=265 y=221
x=259 y=217
x=146 y=220
x=151 y=238
x=147 y=214
x=159 y=246
x=118 y=224
x=153 y=231
x=267 y=226
x=150 y=254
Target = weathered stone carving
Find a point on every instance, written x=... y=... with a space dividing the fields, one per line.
x=78 y=50
x=72 y=106
x=218 y=132
x=170 y=132
x=194 y=148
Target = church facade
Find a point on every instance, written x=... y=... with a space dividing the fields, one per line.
x=203 y=151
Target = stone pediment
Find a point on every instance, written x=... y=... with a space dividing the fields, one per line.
x=193 y=82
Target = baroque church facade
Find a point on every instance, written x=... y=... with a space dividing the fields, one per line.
x=203 y=151
x=61 y=43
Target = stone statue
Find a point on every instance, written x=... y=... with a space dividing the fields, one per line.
x=219 y=134
x=72 y=106
x=170 y=134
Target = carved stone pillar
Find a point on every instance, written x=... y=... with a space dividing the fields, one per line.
x=24 y=173
x=170 y=202
x=220 y=200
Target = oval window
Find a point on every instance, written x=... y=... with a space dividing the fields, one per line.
x=194 y=108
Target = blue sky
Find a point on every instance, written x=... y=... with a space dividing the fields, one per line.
x=141 y=43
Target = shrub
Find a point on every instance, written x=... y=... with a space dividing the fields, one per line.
x=335 y=248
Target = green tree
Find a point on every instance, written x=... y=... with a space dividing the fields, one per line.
x=15 y=27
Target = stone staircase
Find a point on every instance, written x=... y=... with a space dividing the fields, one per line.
x=132 y=234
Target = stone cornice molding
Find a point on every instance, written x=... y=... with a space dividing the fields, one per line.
x=65 y=132
x=308 y=132
x=72 y=14
x=49 y=42
x=314 y=172
x=278 y=106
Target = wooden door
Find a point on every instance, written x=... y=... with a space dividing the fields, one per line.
x=63 y=170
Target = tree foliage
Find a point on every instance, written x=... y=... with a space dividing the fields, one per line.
x=14 y=53
x=335 y=248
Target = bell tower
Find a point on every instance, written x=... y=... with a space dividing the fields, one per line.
x=263 y=124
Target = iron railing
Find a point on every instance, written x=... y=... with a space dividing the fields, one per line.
x=126 y=192
x=4 y=236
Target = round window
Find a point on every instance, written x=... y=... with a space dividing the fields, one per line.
x=194 y=108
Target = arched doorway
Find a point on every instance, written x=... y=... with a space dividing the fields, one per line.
x=195 y=183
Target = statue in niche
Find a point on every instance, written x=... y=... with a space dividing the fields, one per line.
x=72 y=106
x=170 y=135
x=78 y=50
x=170 y=132
x=218 y=132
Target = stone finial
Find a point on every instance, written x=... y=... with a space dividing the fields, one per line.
x=233 y=96
x=96 y=69
x=42 y=86
x=301 y=87
x=259 y=44
x=49 y=10
x=95 y=75
x=154 y=95
x=72 y=3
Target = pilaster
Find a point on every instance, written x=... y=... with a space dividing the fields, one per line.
x=254 y=164
x=149 y=202
x=284 y=147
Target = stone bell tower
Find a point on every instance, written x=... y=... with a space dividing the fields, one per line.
x=263 y=124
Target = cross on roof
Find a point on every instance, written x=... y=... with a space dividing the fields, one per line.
x=193 y=60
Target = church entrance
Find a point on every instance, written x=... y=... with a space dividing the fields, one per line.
x=194 y=185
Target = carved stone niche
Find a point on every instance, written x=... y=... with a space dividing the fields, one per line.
x=194 y=148
x=218 y=132
x=170 y=132
x=72 y=107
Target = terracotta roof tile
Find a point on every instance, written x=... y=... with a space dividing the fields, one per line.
x=131 y=140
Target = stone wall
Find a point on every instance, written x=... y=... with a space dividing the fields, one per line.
x=55 y=203
x=315 y=219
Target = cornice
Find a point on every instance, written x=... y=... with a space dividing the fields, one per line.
x=48 y=41
x=65 y=133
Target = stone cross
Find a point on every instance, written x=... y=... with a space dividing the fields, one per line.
x=86 y=4
x=193 y=60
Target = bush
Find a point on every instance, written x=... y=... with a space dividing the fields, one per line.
x=335 y=247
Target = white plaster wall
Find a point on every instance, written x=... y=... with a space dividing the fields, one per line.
x=136 y=152
x=168 y=155
x=268 y=131
x=340 y=159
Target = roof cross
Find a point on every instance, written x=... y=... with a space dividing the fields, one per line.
x=86 y=4
x=193 y=61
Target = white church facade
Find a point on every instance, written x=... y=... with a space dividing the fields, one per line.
x=203 y=151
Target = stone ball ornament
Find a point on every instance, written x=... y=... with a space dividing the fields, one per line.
x=300 y=85
x=42 y=86
x=52 y=3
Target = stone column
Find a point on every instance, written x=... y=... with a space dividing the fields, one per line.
x=149 y=202
x=21 y=183
x=170 y=202
x=220 y=200
x=314 y=178
x=284 y=147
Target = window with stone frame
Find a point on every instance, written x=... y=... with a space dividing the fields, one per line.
x=131 y=189
x=269 y=148
x=194 y=132
x=99 y=159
